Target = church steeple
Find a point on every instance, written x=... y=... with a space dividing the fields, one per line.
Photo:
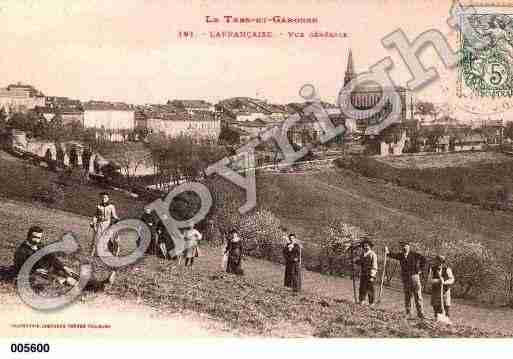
x=350 y=69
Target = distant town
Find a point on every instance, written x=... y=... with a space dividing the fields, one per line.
x=423 y=126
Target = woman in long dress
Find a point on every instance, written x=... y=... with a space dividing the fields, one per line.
x=192 y=237
x=234 y=251
x=292 y=255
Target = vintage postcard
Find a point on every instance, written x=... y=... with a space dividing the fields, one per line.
x=272 y=169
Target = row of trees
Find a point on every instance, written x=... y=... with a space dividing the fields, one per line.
x=182 y=158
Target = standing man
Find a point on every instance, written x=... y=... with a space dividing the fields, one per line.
x=412 y=264
x=292 y=255
x=369 y=269
x=441 y=277
x=104 y=217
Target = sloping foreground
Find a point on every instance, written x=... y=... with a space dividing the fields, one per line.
x=253 y=304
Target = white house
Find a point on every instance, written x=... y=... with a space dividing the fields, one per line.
x=113 y=118
x=197 y=125
x=251 y=116
x=20 y=98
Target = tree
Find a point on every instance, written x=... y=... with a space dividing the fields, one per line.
x=336 y=239
x=229 y=136
x=508 y=130
x=3 y=119
x=128 y=159
x=425 y=108
x=181 y=158
x=433 y=135
x=56 y=129
x=23 y=121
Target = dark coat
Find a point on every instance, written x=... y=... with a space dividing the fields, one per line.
x=436 y=294
x=235 y=252
x=293 y=277
x=412 y=265
x=48 y=263
x=151 y=221
x=164 y=237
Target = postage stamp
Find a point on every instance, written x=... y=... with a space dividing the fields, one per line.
x=487 y=71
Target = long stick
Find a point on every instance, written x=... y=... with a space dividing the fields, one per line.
x=352 y=274
x=382 y=278
x=93 y=247
x=442 y=295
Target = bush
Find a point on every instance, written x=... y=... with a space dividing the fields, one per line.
x=48 y=194
x=336 y=238
x=473 y=265
x=263 y=235
x=73 y=176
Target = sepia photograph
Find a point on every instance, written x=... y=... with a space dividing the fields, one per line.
x=291 y=169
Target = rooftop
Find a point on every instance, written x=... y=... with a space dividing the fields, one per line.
x=107 y=106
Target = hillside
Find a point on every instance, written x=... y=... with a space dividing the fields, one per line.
x=255 y=304
x=310 y=200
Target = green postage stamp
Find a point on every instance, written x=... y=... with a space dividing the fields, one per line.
x=487 y=71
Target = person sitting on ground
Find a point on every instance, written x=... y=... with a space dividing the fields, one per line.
x=441 y=277
x=50 y=267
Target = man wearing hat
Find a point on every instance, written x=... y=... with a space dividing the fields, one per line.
x=369 y=269
x=412 y=264
x=441 y=280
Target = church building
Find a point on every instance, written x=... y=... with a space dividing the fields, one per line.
x=380 y=140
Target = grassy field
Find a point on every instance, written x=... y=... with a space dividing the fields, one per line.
x=445 y=160
x=307 y=203
x=393 y=213
x=481 y=178
x=20 y=180
x=304 y=203
x=256 y=304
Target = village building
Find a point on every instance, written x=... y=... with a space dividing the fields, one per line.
x=111 y=120
x=192 y=106
x=20 y=98
x=71 y=111
x=251 y=128
x=198 y=126
x=242 y=109
x=471 y=142
x=308 y=129
x=377 y=133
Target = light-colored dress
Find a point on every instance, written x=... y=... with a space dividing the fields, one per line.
x=192 y=238
x=103 y=219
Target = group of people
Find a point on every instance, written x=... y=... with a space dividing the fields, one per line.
x=412 y=266
x=162 y=244
x=233 y=253
x=412 y=263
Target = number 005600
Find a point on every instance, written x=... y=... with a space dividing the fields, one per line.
x=30 y=348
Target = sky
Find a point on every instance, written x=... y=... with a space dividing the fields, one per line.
x=129 y=50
